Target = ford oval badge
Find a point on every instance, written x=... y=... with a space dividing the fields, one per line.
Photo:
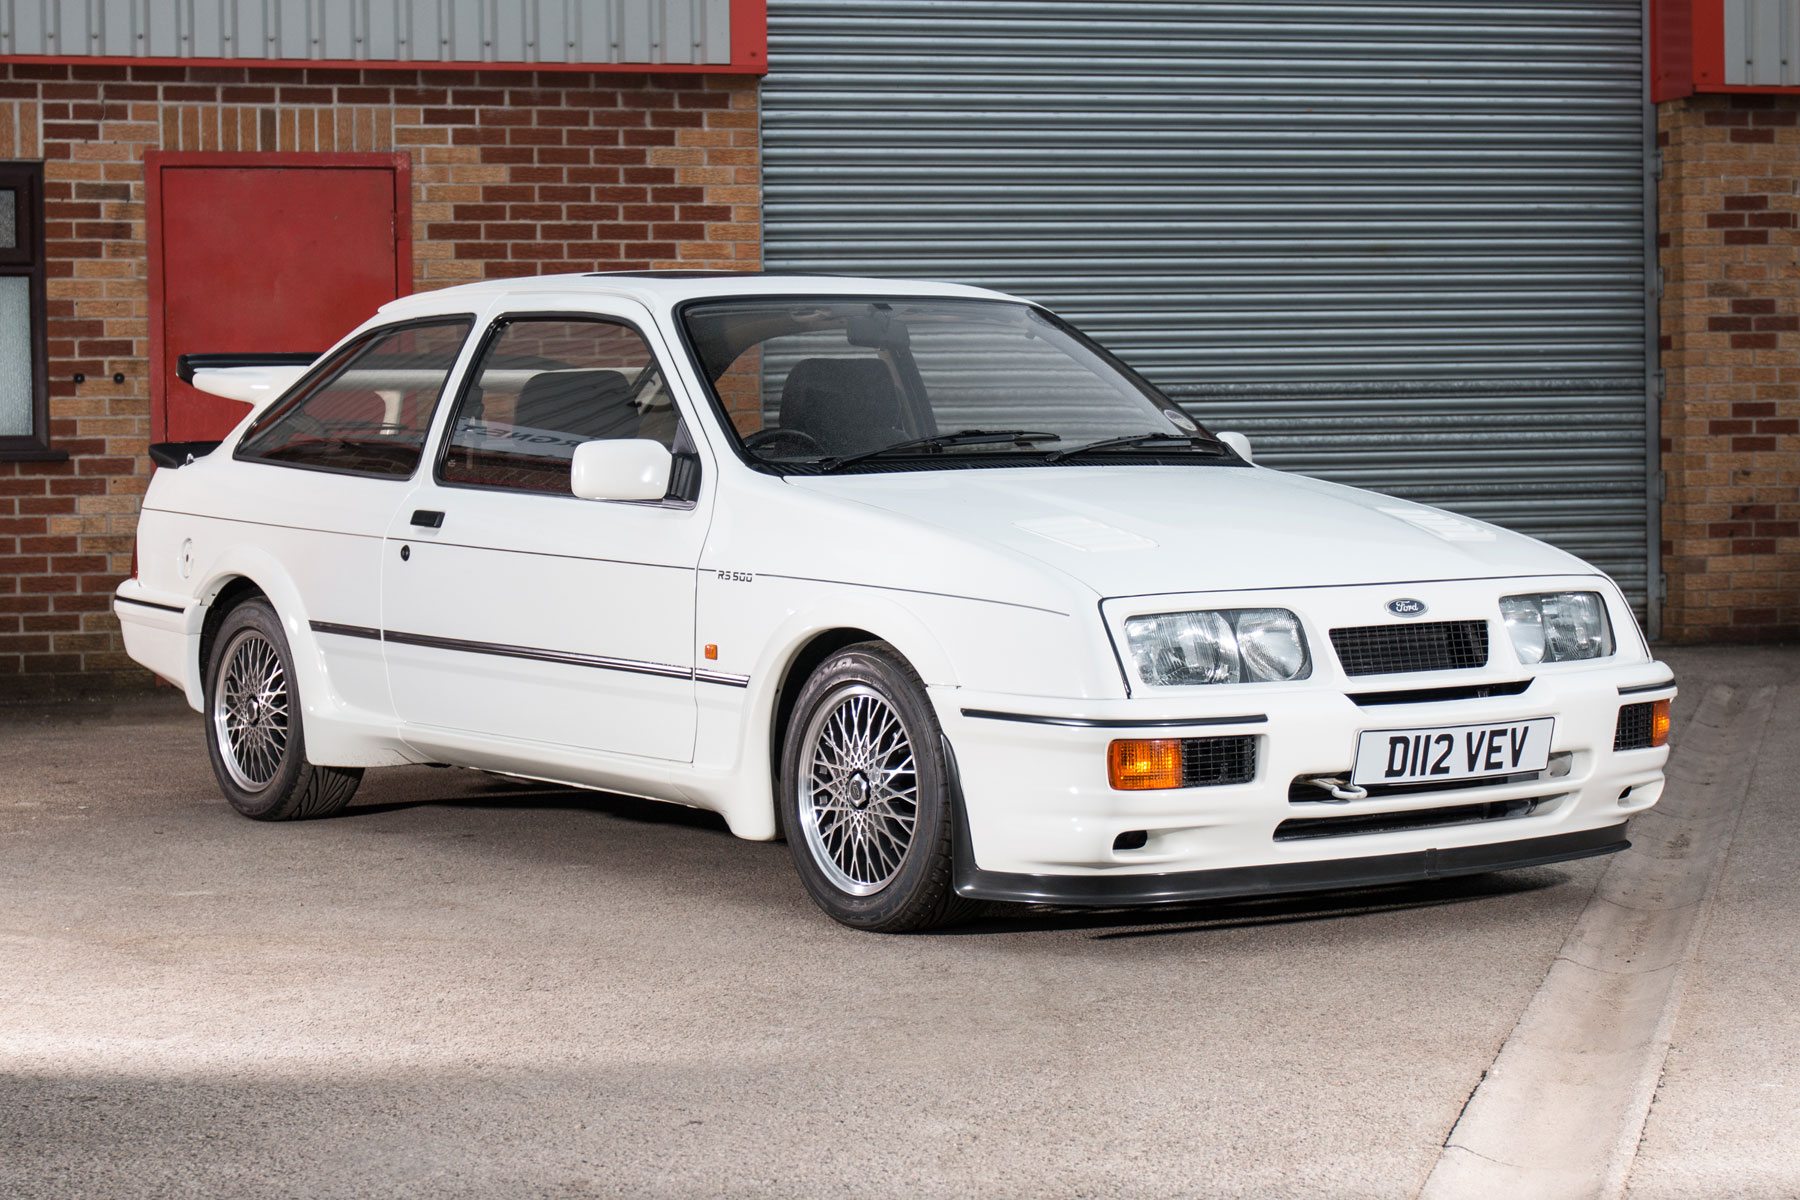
x=1406 y=607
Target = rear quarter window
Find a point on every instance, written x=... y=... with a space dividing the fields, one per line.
x=367 y=411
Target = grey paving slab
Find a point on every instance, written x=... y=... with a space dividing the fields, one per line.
x=1725 y=1120
x=471 y=987
x=1559 y=1115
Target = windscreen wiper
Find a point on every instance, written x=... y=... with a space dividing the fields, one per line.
x=962 y=437
x=1191 y=440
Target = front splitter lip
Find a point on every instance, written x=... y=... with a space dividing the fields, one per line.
x=1122 y=889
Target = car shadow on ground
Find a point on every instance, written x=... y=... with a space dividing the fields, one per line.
x=472 y=791
x=1253 y=911
x=494 y=792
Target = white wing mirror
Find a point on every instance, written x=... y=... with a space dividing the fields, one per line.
x=621 y=469
x=1239 y=443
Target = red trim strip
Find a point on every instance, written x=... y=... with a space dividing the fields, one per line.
x=1671 y=49
x=159 y=404
x=1709 y=44
x=1765 y=89
x=750 y=36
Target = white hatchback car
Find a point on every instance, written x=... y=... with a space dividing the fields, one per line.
x=913 y=573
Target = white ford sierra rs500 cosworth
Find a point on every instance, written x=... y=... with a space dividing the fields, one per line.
x=912 y=574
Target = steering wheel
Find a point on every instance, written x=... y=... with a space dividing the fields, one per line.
x=804 y=443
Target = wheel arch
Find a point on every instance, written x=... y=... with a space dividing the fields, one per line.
x=750 y=801
x=800 y=667
x=337 y=734
x=226 y=593
x=241 y=573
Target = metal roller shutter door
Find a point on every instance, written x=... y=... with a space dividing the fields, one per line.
x=1402 y=245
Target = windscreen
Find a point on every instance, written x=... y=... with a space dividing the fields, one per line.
x=817 y=382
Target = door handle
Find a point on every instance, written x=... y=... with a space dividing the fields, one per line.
x=429 y=518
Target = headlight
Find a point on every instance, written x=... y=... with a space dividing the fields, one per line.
x=1557 y=626
x=1239 y=645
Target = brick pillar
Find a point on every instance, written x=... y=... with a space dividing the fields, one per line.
x=1731 y=355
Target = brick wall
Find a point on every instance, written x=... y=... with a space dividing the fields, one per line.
x=1731 y=356
x=513 y=174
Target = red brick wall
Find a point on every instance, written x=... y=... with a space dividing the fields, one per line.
x=1731 y=356
x=513 y=174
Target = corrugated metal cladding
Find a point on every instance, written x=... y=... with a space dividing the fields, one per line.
x=1762 y=42
x=508 y=31
x=1401 y=244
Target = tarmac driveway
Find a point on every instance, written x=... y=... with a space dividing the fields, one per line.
x=472 y=987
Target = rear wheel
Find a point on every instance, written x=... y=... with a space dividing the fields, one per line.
x=253 y=731
x=865 y=795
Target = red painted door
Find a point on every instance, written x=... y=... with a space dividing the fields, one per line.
x=263 y=253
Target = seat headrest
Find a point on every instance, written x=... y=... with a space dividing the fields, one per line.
x=587 y=404
x=847 y=405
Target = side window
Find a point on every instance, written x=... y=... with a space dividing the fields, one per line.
x=367 y=413
x=545 y=385
x=24 y=378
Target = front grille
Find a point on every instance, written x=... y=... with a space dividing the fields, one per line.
x=1636 y=722
x=1395 y=649
x=1212 y=761
x=1300 y=828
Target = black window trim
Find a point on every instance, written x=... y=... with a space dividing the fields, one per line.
x=330 y=362
x=26 y=258
x=492 y=334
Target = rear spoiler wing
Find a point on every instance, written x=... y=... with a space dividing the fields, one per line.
x=252 y=379
x=188 y=364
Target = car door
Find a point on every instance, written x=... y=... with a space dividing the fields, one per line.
x=330 y=460
x=512 y=609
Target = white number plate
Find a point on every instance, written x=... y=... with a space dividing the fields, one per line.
x=1452 y=752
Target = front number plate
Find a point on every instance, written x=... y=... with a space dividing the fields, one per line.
x=1452 y=752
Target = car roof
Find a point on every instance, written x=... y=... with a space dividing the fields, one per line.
x=663 y=289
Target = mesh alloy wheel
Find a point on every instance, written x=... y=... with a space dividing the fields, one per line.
x=866 y=795
x=250 y=711
x=859 y=784
x=255 y=727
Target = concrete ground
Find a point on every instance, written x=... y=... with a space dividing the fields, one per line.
x=1725 y=1121
x=472 y=987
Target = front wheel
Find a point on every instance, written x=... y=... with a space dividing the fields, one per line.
x=866 y=798
x=253 y=731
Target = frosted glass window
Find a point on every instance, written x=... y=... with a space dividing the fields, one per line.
x=9 y=219
x=15 y=356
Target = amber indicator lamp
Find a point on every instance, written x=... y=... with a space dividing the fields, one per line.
x=1136 y=765
x=1659 y=723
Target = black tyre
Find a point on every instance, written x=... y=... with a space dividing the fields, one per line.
x=253 y=729
x=865 y=795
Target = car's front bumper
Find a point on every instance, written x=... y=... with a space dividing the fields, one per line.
x=1176 y=887
x=1041 y=818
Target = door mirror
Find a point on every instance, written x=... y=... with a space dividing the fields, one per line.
x=621 y=469
x=1239 y=443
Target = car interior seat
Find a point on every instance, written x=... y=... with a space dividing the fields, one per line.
x=847 y=405
x=585 y=404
